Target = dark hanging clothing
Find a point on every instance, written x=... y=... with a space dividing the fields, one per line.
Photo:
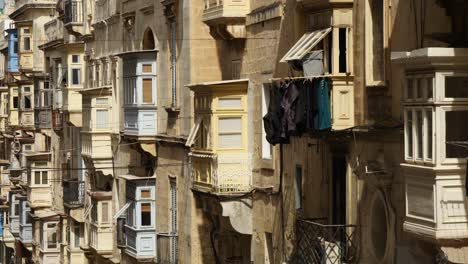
x=272 y=121
x=466 y=178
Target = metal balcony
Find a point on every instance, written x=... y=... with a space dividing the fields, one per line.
x=73 y=12
x=73 y=193
x=318 y=242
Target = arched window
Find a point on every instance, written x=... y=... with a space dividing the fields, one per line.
x=148 y=40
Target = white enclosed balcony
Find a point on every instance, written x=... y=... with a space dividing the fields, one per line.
x=138 y=236
x=140 y=94
x=435 y=108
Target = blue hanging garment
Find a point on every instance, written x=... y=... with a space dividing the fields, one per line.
x=322 y=115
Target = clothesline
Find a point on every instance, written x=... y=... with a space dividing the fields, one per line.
x=300 y=78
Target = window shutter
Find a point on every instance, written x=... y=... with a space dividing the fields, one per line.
x=148 y=91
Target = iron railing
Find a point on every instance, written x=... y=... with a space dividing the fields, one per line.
x=73 y=193
x=166 y=248
x=320 y=243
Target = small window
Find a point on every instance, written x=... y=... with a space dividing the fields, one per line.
x=27 y=147
x=76 y=76
x=28 y=219
x=456 y=131
x=76 y=234
x=230 y=132
x=102 y=118
x=26 y=30
x=409 y=133
x=27 y=89
x=41 y=177
x=102 y=101
x=147 y=68
x=15 y=102
x=429 y=134
x=27 y=43
x=146 y=214
x=75 y=58
x=145 y=194
x=51 y=236
x=27 y=102
x=105 y=212
x=230 y=103
x=456 y=87
x=343 y=49
x=15 y=47
x=148 y=91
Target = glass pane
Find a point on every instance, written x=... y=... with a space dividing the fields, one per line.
x=37 y=177
x=76 y=232
x=148 y=91
x=456 y=87
x=44 y=177
x=15 y=102
x=230 y=140
x=101 y=119
x=409 y=133
x=419 y=134
x=16 y=209
x=430 y=88
x=146 y=214
x=28 y=217
x=51 y=236
x=147 y=68
x=26 y=43
x=456 y=121
x=419 y=88
x=75 y=58
x=27 y=102
x=101 y=101
x=230 y=124
x=230 y=103
x=145 y=193
x=429 y=134
x=409 y=89
x=76 y=76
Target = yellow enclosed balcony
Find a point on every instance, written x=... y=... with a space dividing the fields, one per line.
x=220 y=156
x=101 y=231
x=226 y=17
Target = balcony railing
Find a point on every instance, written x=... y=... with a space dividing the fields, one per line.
x=73 y=193
x=166 y=248
x=321 y=243
x=221 y=175
x=73 y=11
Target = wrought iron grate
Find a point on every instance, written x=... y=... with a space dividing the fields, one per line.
x=319 y=243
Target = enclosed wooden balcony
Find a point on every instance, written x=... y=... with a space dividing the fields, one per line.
x=215 y=174
x=101 y=232
x=226 y=17
x=225 y=11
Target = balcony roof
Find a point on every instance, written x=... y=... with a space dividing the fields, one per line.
x=130 y=177
x=45 y=215
x=239 y=83
x=432 y=56
x=136 y=53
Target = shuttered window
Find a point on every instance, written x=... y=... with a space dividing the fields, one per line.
x=147 y=91
x=105 y=212
x=147 y=68
x=102 y=118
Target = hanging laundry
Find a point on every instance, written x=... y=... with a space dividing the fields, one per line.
x=272 y=121
x=321 y=103
x=288 y=104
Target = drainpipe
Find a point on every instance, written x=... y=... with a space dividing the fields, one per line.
x=173 y=62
